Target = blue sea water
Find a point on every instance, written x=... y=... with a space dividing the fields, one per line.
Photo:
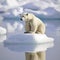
x=52 y=30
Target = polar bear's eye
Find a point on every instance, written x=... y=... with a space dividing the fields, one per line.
x=22 y=16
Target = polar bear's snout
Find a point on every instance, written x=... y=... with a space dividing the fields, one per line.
x=21 y=19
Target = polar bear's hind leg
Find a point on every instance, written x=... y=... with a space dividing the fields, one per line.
x=41 y=29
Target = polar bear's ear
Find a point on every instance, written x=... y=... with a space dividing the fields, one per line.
x=27 y=14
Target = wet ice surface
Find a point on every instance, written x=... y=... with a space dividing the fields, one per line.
x=52 y=30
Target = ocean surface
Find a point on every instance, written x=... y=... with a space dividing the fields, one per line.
x=52 y=30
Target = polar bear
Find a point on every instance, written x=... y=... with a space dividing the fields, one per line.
x=32 y=23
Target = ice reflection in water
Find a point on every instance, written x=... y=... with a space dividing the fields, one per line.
x=23 y=47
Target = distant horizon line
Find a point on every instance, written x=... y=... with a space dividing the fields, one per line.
x=40 y=18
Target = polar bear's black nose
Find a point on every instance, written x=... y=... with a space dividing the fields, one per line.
x=21 y=19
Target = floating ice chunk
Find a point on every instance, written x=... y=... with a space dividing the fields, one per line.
x=29 y=42
x=29 y=38
x=2 y=30
x=42 y=38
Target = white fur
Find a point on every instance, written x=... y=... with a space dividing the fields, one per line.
x=33 y=24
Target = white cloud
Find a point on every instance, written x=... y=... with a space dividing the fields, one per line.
x=22 y=2
x=15 y=27
x=21 y=28
x=42 y=4
x=57 y=8
x=38 y=11
x=2 y=1
x=15 y=12
x=15 y=3
x=2 y=31
x=18 y=11
x=12 y=3
x=2 y=38
x=10 y=28
x=1 y=6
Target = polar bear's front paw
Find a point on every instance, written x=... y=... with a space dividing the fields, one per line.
x=31 y=32
x=26 y=32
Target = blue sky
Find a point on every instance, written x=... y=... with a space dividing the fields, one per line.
x=44 y=8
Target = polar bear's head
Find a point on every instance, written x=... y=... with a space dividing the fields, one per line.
x=26 y=16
